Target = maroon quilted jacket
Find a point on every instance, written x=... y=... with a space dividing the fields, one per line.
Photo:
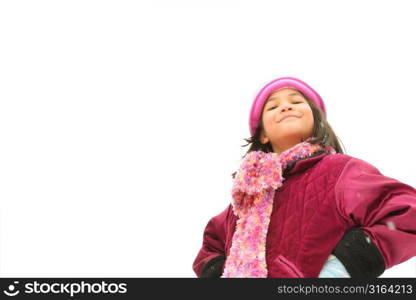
x=328 y=203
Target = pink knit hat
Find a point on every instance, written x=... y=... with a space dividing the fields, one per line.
x=275 y=85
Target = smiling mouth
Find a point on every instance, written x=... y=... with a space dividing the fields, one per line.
x=287 y=118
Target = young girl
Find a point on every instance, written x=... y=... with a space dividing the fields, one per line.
x=300 y=206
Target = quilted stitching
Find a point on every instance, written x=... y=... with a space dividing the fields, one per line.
x=302 y=206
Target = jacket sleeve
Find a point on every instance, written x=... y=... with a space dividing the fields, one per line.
x=381 y=212
x=211 y=257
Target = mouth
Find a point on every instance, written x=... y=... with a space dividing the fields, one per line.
x=289 y=116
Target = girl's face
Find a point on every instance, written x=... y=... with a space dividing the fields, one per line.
x=287 y=118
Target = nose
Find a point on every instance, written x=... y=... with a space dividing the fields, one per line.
x=286 y=107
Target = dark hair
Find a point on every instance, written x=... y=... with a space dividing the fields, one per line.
x=322 y=134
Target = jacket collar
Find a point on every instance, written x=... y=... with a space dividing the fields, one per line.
x=302 y=164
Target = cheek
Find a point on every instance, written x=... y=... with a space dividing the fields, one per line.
x=267 y=119
x=309 y=119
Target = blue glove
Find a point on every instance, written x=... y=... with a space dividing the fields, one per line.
x=334 y=268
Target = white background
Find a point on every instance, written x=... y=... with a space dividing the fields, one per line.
x=121 y=121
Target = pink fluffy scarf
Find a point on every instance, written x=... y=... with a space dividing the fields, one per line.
x=260 y=174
